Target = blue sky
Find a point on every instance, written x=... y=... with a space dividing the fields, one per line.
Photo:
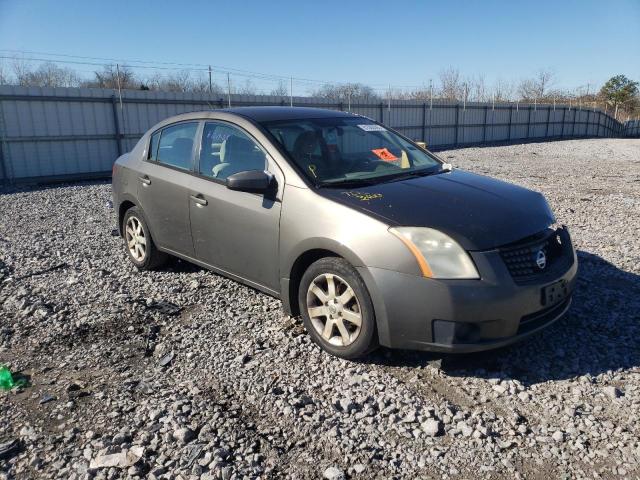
x=392 y=42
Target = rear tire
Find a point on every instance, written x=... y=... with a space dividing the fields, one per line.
x=140 y=247
x=336 y=308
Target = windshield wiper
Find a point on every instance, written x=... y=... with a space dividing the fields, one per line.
x=350 y=182
x=355 y=182
x=410 y=174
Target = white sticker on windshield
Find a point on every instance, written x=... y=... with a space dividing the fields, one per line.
x=372 y=127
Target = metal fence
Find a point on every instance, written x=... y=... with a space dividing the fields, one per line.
x=632 y=129
x=59 y=133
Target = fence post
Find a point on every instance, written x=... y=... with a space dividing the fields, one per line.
x=564 y=113
x=529 y=124
x=599 y=122
x=573 y=127
x=3 y=169
x=457 y=117
x=116 y=123
x=381 y=112
x=546 y=130
x=424 y=122
x=586 y=130
x=510 y=120
x=3 y=166
x=484 y=125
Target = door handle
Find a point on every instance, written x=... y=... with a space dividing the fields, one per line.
x=199 y=200
x=145 y=180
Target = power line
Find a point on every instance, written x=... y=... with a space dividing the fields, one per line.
x=160 y=65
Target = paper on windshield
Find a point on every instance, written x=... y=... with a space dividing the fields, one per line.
x=372 y=127
x=384 y=154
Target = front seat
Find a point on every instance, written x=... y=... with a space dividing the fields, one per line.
x=310 y=154
x=238 y=154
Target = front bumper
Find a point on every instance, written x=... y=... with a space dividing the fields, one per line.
x=463 y=315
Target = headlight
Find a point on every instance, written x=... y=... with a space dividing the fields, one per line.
x=437 y=254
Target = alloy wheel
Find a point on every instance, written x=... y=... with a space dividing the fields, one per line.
x=334 y=309
x=136 y=241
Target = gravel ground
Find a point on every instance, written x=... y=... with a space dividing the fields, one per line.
x=181 y=373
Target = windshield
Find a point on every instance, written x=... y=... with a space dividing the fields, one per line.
x=333 y=151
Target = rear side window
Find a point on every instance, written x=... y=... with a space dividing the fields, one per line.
x=176 y=145
x=153 y=147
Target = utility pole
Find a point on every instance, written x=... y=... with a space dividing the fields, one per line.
x=291 y=91
x=210 y=85
x=430 y=94
x=464 y=98
x=124 y=126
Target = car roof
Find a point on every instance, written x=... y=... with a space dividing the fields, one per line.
x=266 y=114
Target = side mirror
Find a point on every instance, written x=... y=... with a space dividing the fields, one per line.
x=257 y=181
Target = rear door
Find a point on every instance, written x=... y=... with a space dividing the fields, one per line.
x=163 y=186
x=237 y=232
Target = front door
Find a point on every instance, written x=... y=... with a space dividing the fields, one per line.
x=234 y=231
x=163 y=186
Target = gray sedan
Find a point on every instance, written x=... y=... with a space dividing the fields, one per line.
x=369 y=237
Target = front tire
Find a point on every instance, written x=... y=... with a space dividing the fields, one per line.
x=141 y=249
x=336 y=308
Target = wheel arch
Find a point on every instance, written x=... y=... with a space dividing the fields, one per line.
x=309 y=251
x=122 y=209
x=125 y=204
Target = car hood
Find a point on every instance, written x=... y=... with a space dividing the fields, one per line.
x=478 y=212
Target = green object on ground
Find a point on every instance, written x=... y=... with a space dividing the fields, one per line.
x=6 y=379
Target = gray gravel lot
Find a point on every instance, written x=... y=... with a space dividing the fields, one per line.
x=181 y=373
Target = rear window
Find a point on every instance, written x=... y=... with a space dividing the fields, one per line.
x=176 y=145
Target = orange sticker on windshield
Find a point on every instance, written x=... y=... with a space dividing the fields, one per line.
x=384 y=154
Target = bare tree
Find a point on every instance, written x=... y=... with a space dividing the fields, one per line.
x=280 y=90
x=46 y=75
x=111 y=76
x=503 y=90
x=537 y=87
x=477 y=90
x=248 y=88
x=346 y=91
x=451 y=87
x=5 y=79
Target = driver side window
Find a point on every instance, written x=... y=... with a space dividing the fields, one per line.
x=227 y=150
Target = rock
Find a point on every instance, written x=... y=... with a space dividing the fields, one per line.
x=432 y=427
x=333 y=473
x=124 y=459
x=46 y=398
x=465 y=429
x=184 y=435
x=359 y=468
x=558 y=436
x=612 y=392
x=165 y=359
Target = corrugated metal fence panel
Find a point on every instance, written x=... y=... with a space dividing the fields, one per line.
x=632 y=128
x=51 y=132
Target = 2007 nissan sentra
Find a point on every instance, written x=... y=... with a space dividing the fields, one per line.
x=370 y=238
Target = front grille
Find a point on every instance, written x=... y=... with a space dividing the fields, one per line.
x=524 y=258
